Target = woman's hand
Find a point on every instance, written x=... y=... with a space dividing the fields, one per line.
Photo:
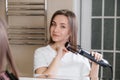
x=53 y=67
x=61 y=50
x=96 y=55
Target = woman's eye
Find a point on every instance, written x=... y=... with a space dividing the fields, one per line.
x=53 y=24
x=62 y=26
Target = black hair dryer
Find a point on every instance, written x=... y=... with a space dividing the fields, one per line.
x=102 y=62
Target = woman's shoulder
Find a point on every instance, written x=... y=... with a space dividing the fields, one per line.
x=43 y=49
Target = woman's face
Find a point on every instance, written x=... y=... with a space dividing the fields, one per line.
x=60 y=29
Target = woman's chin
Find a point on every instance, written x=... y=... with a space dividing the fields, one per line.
x=55 y=39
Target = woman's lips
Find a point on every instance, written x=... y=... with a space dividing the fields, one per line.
x=55 y=35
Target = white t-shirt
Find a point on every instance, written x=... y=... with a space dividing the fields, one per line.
x=72 y=65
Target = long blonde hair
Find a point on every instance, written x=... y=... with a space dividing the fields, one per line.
x=5 y=53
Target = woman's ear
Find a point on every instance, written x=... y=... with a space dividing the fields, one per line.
x=70 y=34
x=68 y=37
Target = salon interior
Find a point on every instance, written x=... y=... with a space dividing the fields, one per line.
x=28 y=21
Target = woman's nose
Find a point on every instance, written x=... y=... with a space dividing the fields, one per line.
x=56 y=29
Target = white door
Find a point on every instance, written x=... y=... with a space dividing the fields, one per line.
x=100 y=29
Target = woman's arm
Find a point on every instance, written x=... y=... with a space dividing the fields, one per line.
x=94 y=71
x=53 y=67
x=94 y=66
x=48 y=72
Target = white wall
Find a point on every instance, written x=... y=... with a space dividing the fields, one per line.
x=86 y=24
x=54 y=5
x=2 y=9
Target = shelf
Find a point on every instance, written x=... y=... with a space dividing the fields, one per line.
x=26 y=35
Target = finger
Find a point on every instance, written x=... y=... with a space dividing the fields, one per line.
x=92 y=53
x=95 y=54
x=98 y=56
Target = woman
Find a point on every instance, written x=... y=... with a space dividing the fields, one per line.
x=55 y=59
x=6 y=61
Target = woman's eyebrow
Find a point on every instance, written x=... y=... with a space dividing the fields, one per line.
x=54 y=21
x=63 y=23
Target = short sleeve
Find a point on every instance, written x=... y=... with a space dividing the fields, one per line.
x=39 y=59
